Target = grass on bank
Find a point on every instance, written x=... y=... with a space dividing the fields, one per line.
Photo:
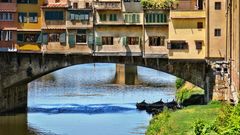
x=182 y=122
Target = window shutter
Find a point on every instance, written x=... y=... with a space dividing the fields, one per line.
x=62 y=38
x=138 y=18
x=20 y=38
x=90 y=39
x=164 y=18
x=98 y=41
x=130 y=18
x=158 y=18
x=126 y=18
x=115 y=17
x=133 y=18
x=71 y=40
x=45 y=38
x=124 y=41
x=39 y=39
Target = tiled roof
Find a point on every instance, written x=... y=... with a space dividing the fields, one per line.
x=55 y=5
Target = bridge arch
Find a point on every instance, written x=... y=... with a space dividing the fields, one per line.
x=21 y=68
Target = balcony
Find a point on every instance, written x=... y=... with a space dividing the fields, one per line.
x=108 y=5
x=193 y=14
x=54 y=24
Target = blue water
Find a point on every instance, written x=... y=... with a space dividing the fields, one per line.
x=82 y=100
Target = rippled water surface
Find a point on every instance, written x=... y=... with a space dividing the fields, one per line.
x=82 y=100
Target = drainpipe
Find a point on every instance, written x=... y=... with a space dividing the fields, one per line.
x=208 y=29
x=143 y=34
x=94 y=29
x=231 y=44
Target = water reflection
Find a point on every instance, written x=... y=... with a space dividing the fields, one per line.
x=83 y=100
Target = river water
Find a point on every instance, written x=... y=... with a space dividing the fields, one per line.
x=82 y=100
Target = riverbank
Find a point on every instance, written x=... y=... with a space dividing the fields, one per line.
x=182 y=121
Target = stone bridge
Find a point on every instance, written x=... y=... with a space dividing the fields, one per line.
x=18 y=69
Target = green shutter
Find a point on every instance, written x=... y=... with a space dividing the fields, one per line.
x=158 y=18
x=154 y=17
x=164 y=18
x=124 y=41
x=126 y=18
x=20 y=38
x=133 y=18
x=138 y=18
x=39 y=39
x=98 y=41
x=115 y=17
x=90 y=39
x=150 y=18
x=45 y=38
x=62 y=38
x=130 y=18
x=161 y=18
x=71 y=40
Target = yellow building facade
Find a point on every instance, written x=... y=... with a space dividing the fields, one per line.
x=187 y=35
x=29 y=24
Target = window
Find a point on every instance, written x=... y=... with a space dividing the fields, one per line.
x=218 y=5
x=6 y=1
x=103 y=17
x=132 y=18
x=126 y=0
x=113 y=17
x=54 y=15
x=27 y=1
x=78 y=15
x=6 y=35
x=6 y=17
x=107 y=40
x=137 y=0
x=178 y=45
x=199 y=45
x=132 y=40
x=22 y=17
x=75 y=5
x=156 y=41
x=33 y=17
x=57 y=1
x=200 y=25
x=81 y=36
x=54 y=37
x=156 y=18
x=25 y=37
x=217 y=32
x=32 y=1
x=87 y=5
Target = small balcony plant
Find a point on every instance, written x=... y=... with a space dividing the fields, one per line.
x=159 y=4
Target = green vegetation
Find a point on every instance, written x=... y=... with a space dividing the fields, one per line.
x=158 y=4
x=185 y=90
x=227 y=122
x=179 y=83
x=182 y=122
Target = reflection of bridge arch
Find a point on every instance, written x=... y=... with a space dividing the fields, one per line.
x=22 y=68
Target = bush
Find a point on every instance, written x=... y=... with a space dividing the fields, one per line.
x=227 y=122
x=179 y=83
x=159 y=123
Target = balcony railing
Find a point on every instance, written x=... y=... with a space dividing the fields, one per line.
x=177 y=14
x=108 y=5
